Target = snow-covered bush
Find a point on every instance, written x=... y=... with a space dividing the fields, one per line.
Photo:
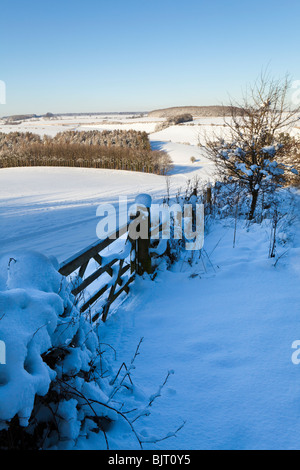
x=169 y=251
x=48 y=348
x=254 y=152
x=30 y=308
x=228 y=202
x=253 y=168
x=291 y=157
x=56 y=387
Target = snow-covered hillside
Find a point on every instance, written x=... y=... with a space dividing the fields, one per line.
x=222 y=326
x=226 y=326
x=223 y=322
x=55 y=208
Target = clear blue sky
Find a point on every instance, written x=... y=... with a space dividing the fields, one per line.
x=118 y=55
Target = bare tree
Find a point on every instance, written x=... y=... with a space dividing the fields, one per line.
x=254 y=138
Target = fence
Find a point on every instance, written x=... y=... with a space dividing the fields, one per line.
x=113 y=274
x=110 y=272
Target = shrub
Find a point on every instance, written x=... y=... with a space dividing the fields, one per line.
x=60 y=385
x=173 y=121
x=181 y=118
x=255 y=148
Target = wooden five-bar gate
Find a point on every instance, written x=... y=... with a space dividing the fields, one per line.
x=113 y=274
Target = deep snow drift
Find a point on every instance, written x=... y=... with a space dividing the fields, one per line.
x=226 y=326
x=222 y=325
x=225 y=323
x=29 y=310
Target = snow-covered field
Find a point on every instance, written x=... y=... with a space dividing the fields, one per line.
x=225 y=325
x=184 y=133
x=52 y=126
x=54 y=209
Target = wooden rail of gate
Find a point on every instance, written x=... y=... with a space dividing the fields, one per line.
x=138 y=263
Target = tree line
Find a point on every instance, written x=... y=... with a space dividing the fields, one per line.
x=119 y=150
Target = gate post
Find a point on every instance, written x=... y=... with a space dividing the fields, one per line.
x=209 y=198
x=142 y=260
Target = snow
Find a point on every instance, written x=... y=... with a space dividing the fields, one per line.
x=222 y=329
x=54 y=209
x=37 y=316
x=188 y=133
x=144 y=199
x=181 y=157
x=29 y=307
x=52 y=126
x=224 y=325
